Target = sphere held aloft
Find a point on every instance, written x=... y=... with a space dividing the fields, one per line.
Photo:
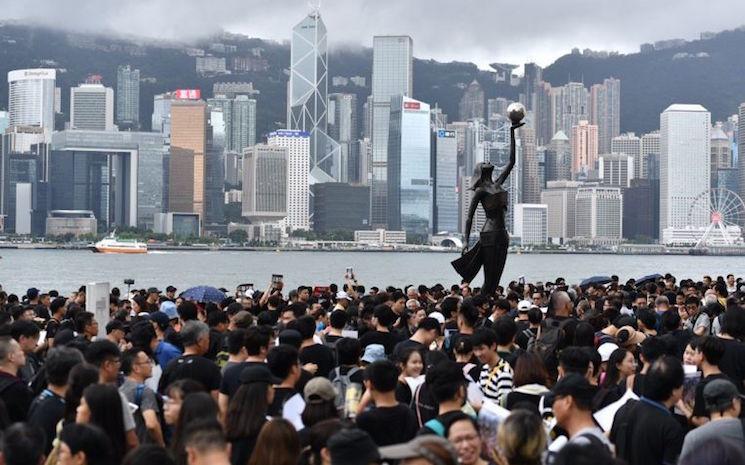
x=516 y=112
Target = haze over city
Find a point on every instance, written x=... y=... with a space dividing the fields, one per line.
x=479 y=31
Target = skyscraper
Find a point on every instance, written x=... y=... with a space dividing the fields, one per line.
x=616 y=170
x=741 y=149
x=92 y=107
x=214 y=168
x=297 y=144
x=531 y=223
x=22 y=180
x=599 y=215
x=573 y=106
x=605 y=111
x=472 y=103
x=629 y=144
x=685 y=151
x=265 y=177
x=343 y=128
x=307 y=96
x=531 y=186
x=392 y=75
x=127 y=96
x=531 y=81
x=584 y=149
x=31 y=98
x=561 y=197
x=445 y=177
x=409 y=174
x=161 y=118
x=559 y=158
x=240 y=120
x=187 y=160
x=650 y=157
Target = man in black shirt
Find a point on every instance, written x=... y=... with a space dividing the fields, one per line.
x=709 y=352
x=57 y=308
x=195 y=336
x=447 y=385
x=48 y=407
x=426 y=333
x=310 y=350
x=13 y=391
x=383 y=318
x=388 y=422
x=644 y=431
x=288 y=403
x=257 y=346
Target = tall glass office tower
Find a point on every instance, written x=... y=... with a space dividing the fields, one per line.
x=307 y=96
x=392 y=76
x=409 y=169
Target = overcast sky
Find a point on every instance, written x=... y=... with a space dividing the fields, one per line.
x=481 y=31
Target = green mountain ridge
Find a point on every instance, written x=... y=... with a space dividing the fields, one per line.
x=649 y=82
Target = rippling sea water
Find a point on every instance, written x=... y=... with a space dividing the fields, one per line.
x=66 y=270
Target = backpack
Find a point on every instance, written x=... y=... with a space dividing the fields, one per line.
x=341 y=383
x=547 y=340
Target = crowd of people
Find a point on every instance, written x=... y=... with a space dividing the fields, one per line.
x=648 y=372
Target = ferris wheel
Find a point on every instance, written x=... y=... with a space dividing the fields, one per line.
x=724 y=211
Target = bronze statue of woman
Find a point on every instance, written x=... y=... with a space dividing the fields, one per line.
x=491 y=249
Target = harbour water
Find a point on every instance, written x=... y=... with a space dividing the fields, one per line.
x=66 y=270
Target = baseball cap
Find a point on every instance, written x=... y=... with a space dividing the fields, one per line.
x=32 y=293
x=605 y=350
x=319 y=389
x=574 y=385
x=171 y=289
x=524 y=306
x=343 y=295
x=718 y=394
x=417 y=447
x=352 y=446
x=437 y=316
x=160 y=318
x=373 y=353
x=258 y=373
x=169 y=308
x=153 y=290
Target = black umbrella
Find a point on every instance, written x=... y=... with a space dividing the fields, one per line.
x=650 y=278
x=595 y=281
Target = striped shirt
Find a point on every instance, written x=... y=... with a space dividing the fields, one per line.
x=496 y=382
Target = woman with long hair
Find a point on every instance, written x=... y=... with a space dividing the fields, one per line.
x=80 y=377
x=619 y=372
x=196 y=406
x=176 y=393
x=274 y=432
x=410 y=365
x=101 y=405
x=320 y=405
x=247 y=412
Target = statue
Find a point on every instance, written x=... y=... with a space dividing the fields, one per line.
x=491 y=249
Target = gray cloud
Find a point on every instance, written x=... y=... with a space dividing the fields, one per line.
x=481 y=31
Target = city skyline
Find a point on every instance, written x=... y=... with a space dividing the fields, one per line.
x=571 y=24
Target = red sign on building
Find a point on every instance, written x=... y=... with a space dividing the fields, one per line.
x=411 y=105
x=187 y=94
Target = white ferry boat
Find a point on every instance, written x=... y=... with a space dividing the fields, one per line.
x=111 y=244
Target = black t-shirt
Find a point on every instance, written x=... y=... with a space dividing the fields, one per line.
x=646 y=434
x=42 y=312
x=321 y=356
x=193 y=367
x=52 y=328
x=524 y=335
x=403 y=393
x=231 y=378
x=16 y=395
x=45 y=412
x=379 y=423
x=732 y=363
x=699 y=406
x=406 y=344
x=241 y=449
x=330 y=338
x=387 y=340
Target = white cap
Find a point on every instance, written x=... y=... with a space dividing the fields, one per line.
x=437 y=316
x=606 y=349
x=524 y=305
x=343 y=295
